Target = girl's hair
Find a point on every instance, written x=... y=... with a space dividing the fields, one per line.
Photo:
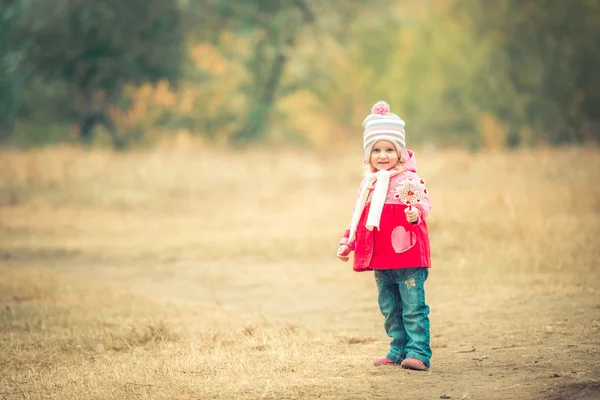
x=403 y=157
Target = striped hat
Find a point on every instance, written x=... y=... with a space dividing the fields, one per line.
x=382 y=124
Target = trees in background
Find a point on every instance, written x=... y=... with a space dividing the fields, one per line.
x=543 y=70
x=93 y=49
x=461 y=72
x=273 y=27
x=12 y=53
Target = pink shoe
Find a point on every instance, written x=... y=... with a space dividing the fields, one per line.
x=413 y=363
x=384 y=361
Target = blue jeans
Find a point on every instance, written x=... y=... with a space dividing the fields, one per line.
x=401 y=297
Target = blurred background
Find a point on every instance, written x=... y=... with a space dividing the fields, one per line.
x=468 y=73
x=175 y=177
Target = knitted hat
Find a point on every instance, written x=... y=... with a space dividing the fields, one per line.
x=382 y=124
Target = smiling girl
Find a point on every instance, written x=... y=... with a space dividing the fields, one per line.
x=390 y=237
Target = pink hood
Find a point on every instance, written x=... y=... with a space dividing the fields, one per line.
x=411 y=164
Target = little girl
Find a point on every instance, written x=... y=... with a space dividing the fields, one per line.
x=389 y=235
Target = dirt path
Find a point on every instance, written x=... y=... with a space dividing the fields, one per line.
x=498 y=338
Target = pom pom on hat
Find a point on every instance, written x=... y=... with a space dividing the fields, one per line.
x=381 y=107
x=382 y=124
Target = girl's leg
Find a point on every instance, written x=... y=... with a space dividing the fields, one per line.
x=415 y=313
x=390 y=305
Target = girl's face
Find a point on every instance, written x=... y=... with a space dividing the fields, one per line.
x=384 y=155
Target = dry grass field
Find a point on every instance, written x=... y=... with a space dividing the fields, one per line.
x=211 y=274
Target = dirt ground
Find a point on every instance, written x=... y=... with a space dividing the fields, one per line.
x=234 y=274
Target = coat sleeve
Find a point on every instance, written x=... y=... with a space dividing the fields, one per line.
x=345 y=241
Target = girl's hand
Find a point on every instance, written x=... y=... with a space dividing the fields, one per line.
x=412 y=214
x=344 y=253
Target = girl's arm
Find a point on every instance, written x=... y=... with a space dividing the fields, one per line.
x=424 y=206
x=345 y=242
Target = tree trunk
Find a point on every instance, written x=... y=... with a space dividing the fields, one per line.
x=256 y=122
x=86 y=129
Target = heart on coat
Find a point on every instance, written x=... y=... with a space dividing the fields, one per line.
x=401 y=239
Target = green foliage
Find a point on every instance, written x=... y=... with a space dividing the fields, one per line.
x=96 y=48
x=544 y=68
x=273 y=26
x=431 y=82
x=103 y=45
x=460 y=72
x=12 y=54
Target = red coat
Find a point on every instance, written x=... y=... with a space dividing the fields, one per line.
x=389 y=246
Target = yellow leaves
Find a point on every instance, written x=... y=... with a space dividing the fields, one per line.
x=229 y=40
x=337 y=54
x=307 y=116
x=162 y=95
x=209 y=59
x=334 y=83
x=187 y=99
x=148 y=103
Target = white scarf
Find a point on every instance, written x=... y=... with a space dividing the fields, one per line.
x=377 y=202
